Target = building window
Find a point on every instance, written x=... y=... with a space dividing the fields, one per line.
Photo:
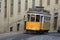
x=5 y=9
x=19 y=6
x=26 y=4
x=56 y=1
x=55 y=13
x=0 y=10
x=24 y=17
x=0 y=6
x=12 y=4
x=48 y=2
x=11 y=29
x=55 y=22
x=33 y=3
x=18 y=25
x=40 y=3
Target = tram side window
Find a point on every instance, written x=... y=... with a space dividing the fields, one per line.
x=41 y=18
x=37 y=18
x=32 y=18
x=28 y=17
x=47 y=20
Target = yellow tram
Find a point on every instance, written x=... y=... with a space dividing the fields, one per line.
x=38 y=20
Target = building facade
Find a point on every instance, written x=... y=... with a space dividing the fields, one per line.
x=13 y=12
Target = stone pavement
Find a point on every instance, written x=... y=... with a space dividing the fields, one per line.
x=9 y=34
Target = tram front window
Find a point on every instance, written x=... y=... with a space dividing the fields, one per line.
x=37 y=18
x=32 y=18
x=28 y=17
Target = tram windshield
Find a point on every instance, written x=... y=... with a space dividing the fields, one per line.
x=37 y=18
x=32 y=18
x=28 y=17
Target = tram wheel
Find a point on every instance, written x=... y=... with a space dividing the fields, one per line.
x=46 y=31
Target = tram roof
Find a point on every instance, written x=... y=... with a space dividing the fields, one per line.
x=38 y=10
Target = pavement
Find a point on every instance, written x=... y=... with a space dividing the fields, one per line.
x=48 y=36
x=3 y=35
x=22 y=36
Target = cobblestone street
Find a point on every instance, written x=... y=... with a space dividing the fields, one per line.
x=22 y=36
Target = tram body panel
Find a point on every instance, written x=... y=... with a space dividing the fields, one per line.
x=33 y=25
x=46 y=27
x=36 y=26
